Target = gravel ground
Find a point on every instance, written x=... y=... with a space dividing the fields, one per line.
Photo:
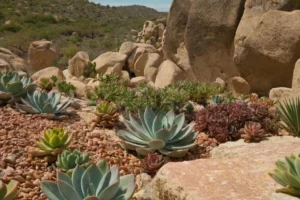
x=19 y=132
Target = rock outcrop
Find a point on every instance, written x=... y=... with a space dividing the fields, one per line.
x=199 y=37
x=228 y=174
x=41 y=55
x=48 y=73
x=267 y=54
x=110 y=62
x=11 y=62
x=78 y=63
x=296 y=79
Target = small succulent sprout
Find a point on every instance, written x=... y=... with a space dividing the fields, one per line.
x=12 y=86
x=252 y=132
x=46 y=84
x=53 y=142
x=42 y=102
x=217 y=99
x=68 y=160
x=158 y=131
x=287 y=174
x=106 y=114
x=9 y=191
x=97 y=182
x=152 y=163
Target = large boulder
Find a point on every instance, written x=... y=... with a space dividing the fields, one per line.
x=148 y=63
x=265 y=54
x=81 y=88
x=137 y=52
x=78 y=63
x=48 y=73
x=280 y=94
x=136 y=81
x=199 y=37
x=110 y=62
x=11 y=62
x=240 y=85
x=237 y=170
x=41 y=55
x=168 y=73
x=296 y=79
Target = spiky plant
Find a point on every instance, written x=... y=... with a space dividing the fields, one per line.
x=9 y=191
x=53 y=142
x=68 y=160
x=287 y=174
x=97 y=182
x=13 y=86
x=158 y=131
x=42 y=102
x=106 y=114
x=289 y=113
x=252 y=132
x=152 y=163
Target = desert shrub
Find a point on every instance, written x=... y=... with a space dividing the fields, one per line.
x=70 y=51
x=12 y=27
x=35 y=19
x=223 y=121
x=67 y=88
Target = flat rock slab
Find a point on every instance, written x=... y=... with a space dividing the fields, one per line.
x=236 y=171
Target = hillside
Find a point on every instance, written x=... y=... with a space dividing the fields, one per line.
x=72 y=24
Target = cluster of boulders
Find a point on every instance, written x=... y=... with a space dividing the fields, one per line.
x=152 y=33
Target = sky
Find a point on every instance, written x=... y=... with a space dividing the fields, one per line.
x=161 y=5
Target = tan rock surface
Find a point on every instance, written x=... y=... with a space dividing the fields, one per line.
x=236 y=171
x=78 y=63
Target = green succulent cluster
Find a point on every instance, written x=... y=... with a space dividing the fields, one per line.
x=68 y=160
x=9 y=191
x=287 y=174
x=97 y=182
x=158 y=131
x=13 y=86
x=53 y=142
x=42 y=102
x=67 y=88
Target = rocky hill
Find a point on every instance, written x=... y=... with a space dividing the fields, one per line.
x=73 y=24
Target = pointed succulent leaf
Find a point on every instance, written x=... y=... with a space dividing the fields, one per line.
x=156 y=144
x=76 y=180
x=51 y=190
x=67 y=191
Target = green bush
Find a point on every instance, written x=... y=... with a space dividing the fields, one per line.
x=12 y=27
x=34 y=19
x=70 y=51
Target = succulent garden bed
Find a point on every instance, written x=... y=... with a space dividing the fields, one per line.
x=45 y=146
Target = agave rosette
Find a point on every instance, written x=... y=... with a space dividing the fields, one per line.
x=13 y=86
x=97 y=182
x=287 y=174
x=158 y=131
x=42 y=102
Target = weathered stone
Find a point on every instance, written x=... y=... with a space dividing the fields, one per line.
x=296 y=79
x=236 y=171
x=125 y=75
x=110 y=62
x=15 y=62
x=78 y=63
x=199 y=37
x=48 y=73
x=41 y=55
x=280 y=94
x=168 y=73
x=141 y=49
x=4 y=66
x=220 y=82
x=240 y=85
x=147 y=65
x=127 y=48
x=81 y=88
x=69 y=76
x=267 y=55
x=136 y=81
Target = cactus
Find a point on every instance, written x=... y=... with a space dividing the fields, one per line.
x=97 y=182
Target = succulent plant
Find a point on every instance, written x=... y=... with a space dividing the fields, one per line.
x=41 y=102
x=217 y=99
x=252 y=132
x=106 y=114
x=287 y=174
x=9 y=191
x=90 y=70
x=97 y=182
x=67 y=88
x=158 y=131
x=13 y=86
x=152 y=162
x=289 y=112
x=68 y=160
x=53 y=142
